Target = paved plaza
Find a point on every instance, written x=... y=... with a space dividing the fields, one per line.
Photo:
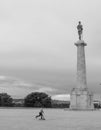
x=56 y=119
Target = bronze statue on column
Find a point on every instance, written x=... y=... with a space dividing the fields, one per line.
x=80 y=30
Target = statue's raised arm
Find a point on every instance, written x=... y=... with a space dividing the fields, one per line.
x=80 y=30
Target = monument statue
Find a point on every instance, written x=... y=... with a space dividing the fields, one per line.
x=80 y=29
x=81 y=97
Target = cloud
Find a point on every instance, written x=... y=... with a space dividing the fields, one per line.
x=6 y=81
x=14 y=87
x=2 y=77
x=40 y=34
x=63 y=97
x=18 y=88
x=46 y=89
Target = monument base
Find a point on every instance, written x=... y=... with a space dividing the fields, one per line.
x=81 y=100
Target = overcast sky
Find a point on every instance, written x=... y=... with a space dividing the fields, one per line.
x=37 y=42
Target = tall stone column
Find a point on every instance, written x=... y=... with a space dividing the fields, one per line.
x=81 y=65
x=81 y=98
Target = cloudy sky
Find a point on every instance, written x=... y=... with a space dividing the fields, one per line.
x=37 y=49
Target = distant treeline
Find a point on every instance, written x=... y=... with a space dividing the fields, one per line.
x=34 y=99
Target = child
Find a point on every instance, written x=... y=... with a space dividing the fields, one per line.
x=41 y=115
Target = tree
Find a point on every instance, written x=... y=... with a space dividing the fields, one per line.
x=37 y=99
x=5 y=100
